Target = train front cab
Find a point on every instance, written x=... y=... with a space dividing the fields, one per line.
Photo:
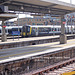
x=26 y=31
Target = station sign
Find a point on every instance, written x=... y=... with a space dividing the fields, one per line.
x=64 y=22
x=15 y=32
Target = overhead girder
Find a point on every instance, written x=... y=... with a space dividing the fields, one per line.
x=36 y=9
x=4 y=1
x=16 y=6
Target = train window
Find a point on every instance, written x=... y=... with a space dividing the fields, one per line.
x=23 y=29
x=14 y=29
x=28 y=29
x=10 y=31
x=0 y=31
x=46 y=29
x=33 y=29
x=5 y=30
x=20 y=29
x=40 y=30
x=36 y=29
x=52 y=29
x=55 y=29
x=49 y=29
x=59 y=29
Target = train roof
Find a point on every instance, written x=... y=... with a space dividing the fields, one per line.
x=10 y=27
x=59 y=26
x=43 y=26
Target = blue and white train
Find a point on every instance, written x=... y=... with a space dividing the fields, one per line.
x=9 y=29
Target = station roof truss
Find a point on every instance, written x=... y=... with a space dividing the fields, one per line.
x=53 y=7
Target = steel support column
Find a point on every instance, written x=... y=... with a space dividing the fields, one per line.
x=3 y=39
x=63 y=38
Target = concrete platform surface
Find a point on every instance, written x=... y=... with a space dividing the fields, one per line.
x=30 y=39
x=27 y=39
x=33 y=50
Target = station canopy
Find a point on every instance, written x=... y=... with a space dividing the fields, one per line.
x=7 y=16
x=53 y=7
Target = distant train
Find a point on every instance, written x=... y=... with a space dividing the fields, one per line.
x=9 y=29
x=33 y=30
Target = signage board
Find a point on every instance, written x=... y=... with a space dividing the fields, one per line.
x=15 y=32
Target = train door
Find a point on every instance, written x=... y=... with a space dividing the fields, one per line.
x=23 y=34
x=36 y=31
x=33 y=33
x=27 y=30
x=69 y=29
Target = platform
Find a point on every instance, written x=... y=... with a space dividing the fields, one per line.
x=10 y=43
x=24 y=60
x=33 y=50
x=30 y=38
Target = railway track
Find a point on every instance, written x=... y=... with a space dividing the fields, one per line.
x=57 y=69
x=39 y=64
x=60 y=71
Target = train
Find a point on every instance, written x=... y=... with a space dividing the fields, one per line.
x=9 y=29
x=41 y=30
x=37 y=30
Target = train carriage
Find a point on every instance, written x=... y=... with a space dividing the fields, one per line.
x=41 y=30
x=9 y=29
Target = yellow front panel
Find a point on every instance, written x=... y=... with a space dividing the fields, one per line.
x=23 y=33
x=30 y=30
